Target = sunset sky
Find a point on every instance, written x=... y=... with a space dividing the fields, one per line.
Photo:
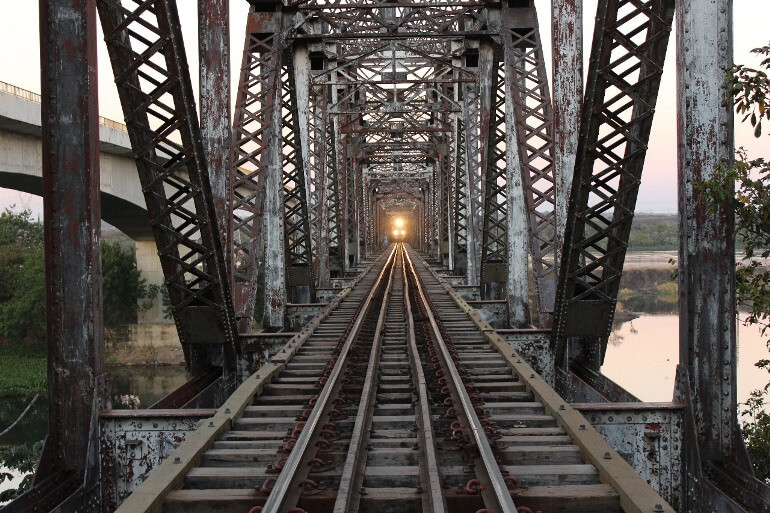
x=19 y=65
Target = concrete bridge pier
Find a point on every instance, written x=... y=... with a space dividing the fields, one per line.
x=152 y=327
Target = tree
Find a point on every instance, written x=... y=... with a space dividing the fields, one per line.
x=22 y=280
x=746 y=187
x=22 y=271
x=124 y=290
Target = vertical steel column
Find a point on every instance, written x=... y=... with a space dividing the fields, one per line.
x=517 y=259
x=532 y=124
x=493 y=168
x=333 y=166
x=707 y=250
x=461 y=200
x=72 y=217
x=470 y=124
x=275 y=249
x=214 y=50
x=567 y=44
x=295 y=156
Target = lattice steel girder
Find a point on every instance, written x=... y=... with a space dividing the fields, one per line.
x=145 y=44
x=333 y=199
x=255 y=141
x=461 y=209
x=531 y=124
x=624 y=76
x=492 y=144
x=473 y=178
x=299 y=272
x=377 y=19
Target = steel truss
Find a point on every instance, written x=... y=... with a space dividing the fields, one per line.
x=144 y=41
x=626 y=65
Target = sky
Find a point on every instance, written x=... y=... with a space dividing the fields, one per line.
x=20 y=57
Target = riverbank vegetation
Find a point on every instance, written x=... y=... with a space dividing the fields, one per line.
x=22 y=300
x=22 y=370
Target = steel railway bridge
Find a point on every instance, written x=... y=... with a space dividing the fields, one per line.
x=456 y=369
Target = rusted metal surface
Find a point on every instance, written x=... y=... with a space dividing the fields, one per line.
x=719 y=474
x=630 y=40
x=76 y=374
x=707 y=248
x=495 y=312
x=296 y=216
x=297 y=315
x=534 y=347
x=567 y=66
x=255 y=137
x=649 y=436
x=153 y=81
x=531 y=130
x=214 y=99
x=133 y=443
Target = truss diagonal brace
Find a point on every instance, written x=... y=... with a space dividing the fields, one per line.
x=148 y=59
x=623 y=80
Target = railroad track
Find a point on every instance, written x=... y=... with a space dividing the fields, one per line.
x=397 y=399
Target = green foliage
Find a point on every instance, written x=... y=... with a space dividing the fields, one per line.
x=22 y=458
x=123 y=286
x=654 y=233
x=22 y=268
x=22 y=370
x=22 y=281
x=750 y=90
x=756 y=428
x=19 y=228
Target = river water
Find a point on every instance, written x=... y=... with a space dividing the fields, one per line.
x=642 y=357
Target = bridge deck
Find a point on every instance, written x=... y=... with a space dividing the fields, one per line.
x=398 y=397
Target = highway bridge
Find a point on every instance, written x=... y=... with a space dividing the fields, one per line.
x=455 y=367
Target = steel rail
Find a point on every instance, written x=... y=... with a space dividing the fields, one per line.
x=502 y=496
x=348 y=496
x=433 y=501
x=286 y=478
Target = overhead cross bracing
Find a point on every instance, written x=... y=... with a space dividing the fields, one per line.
x=349 y=117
